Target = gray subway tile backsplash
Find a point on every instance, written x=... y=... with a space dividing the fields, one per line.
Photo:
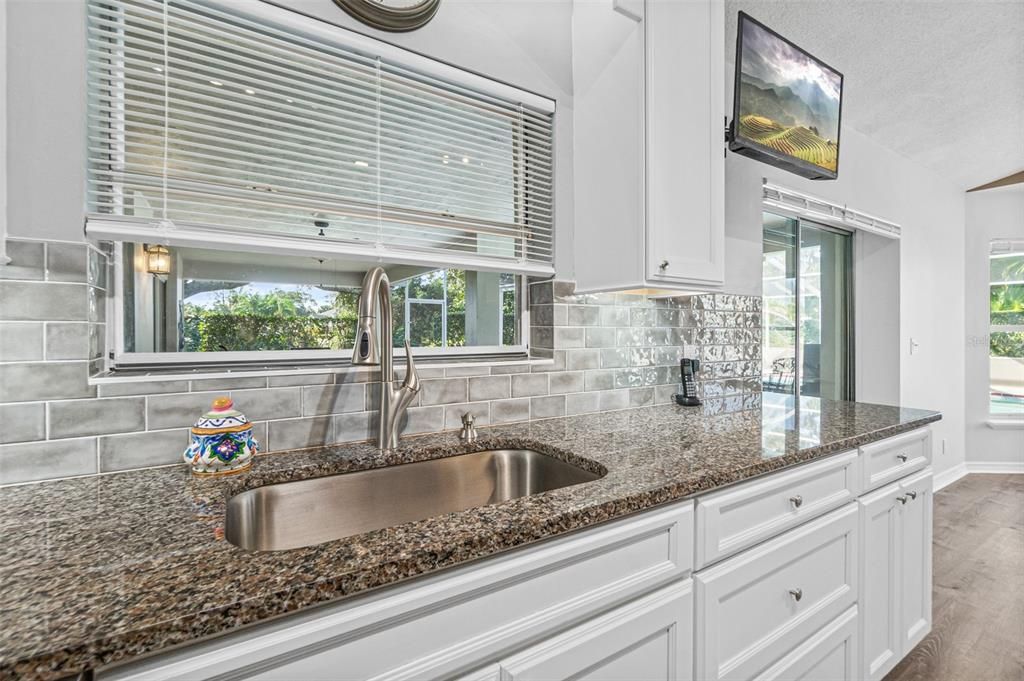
x=28 y=260
x=590 y=353
x=22 y=422
x=21 y=341
x=332 y=399
x=32 y=381
x=67 y=340
x=484 y=388
x=66 y=262
x=43 y=301
x=51 y=459
x=77 y=418
x=142 y=450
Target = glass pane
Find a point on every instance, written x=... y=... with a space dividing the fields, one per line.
x=779 y=318
x=208 y=301
x=1008 y=268
x=426 y=324
x=1007 y=303
x=825 y=330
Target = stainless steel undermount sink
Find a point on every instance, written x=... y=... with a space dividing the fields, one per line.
x=291 y=515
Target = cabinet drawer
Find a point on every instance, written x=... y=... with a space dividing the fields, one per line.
x=649 y=639
x=456 y=621
x=829 y=655
x=894 y=457
x=748 y=514
x=769 y=599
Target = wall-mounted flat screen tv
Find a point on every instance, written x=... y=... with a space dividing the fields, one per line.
x=786 y=104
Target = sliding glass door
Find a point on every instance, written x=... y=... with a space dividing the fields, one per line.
x=807 y=333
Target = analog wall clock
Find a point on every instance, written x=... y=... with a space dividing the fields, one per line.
x=391 y=15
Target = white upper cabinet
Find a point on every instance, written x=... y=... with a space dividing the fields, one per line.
x=648 y=147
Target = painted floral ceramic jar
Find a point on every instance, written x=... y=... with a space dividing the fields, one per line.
x=222 y=441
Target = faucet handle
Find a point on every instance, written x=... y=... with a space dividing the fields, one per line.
x=412 y=378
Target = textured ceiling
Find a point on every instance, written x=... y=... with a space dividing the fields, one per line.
x=939 y=81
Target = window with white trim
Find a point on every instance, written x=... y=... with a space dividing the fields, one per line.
x=1006 y=331
x=244 y=128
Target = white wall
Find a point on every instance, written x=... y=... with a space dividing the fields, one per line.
x=526 y=43
x=991 y=214
x=930 y=294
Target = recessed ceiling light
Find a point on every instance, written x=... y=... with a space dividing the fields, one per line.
x=289 y=100
x=465 y=159
x=249 y=92
x=158 y=69
x=361 y=164
x=216 y=82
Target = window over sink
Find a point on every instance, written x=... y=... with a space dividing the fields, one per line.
x=214 y=306
x=275 y=158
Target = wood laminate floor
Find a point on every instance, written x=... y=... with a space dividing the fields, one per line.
x=978 y=591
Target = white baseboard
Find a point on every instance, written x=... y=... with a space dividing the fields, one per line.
x=949 y=476
x=995 y=466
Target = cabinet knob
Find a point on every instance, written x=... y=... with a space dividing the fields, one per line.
x=902 y=500
x=912 y=495
x=663 y=266
x=797 y=501
x=797 y=594
x=902 y=458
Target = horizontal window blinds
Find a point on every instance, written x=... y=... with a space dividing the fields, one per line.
x=212 y=124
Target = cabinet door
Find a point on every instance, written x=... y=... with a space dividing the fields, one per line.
x=829 y=655
x=685 y=141
x=650 y=639
x=916 y=559
x=881 y=643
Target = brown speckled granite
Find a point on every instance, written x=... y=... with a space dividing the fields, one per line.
x=100 y=569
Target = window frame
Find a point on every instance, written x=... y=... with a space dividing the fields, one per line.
x=118 y=358
x=1005 y=250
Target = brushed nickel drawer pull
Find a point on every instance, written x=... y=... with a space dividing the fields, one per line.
x=663 y=266
x=797 y=501
x=912 y=495
x=902 y=500
x=797 y=594
x=902 y=458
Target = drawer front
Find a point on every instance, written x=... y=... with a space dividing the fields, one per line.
x=748 y=514
x=453 y=622
x=772 y=597
x=650 y=639
x=829 y=655
x=894 y=457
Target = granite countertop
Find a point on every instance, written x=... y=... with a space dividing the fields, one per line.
x=101 y=569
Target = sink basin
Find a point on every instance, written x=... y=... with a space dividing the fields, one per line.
x=291 y=515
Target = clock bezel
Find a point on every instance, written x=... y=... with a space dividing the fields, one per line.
x=391 y=19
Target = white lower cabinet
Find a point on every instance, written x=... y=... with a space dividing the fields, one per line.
x=829 y=655
x=755 y=607
x=896 y=562
x=650 y=639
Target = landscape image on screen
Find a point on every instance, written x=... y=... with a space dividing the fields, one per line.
x=787 y=100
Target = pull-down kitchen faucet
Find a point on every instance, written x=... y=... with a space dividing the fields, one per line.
x=369 y=350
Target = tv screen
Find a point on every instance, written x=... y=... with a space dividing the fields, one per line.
x=786 y=105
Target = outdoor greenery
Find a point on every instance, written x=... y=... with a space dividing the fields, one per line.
x=296 y=319
x=1006 y=302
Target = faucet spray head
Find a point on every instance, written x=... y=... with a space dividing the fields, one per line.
x=367 y=346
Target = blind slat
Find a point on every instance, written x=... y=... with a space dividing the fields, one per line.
x=235 y=122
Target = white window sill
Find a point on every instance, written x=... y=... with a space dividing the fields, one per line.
x=427 y=369
x=1006 y=424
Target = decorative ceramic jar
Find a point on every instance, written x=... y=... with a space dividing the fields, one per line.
x=222 y=441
